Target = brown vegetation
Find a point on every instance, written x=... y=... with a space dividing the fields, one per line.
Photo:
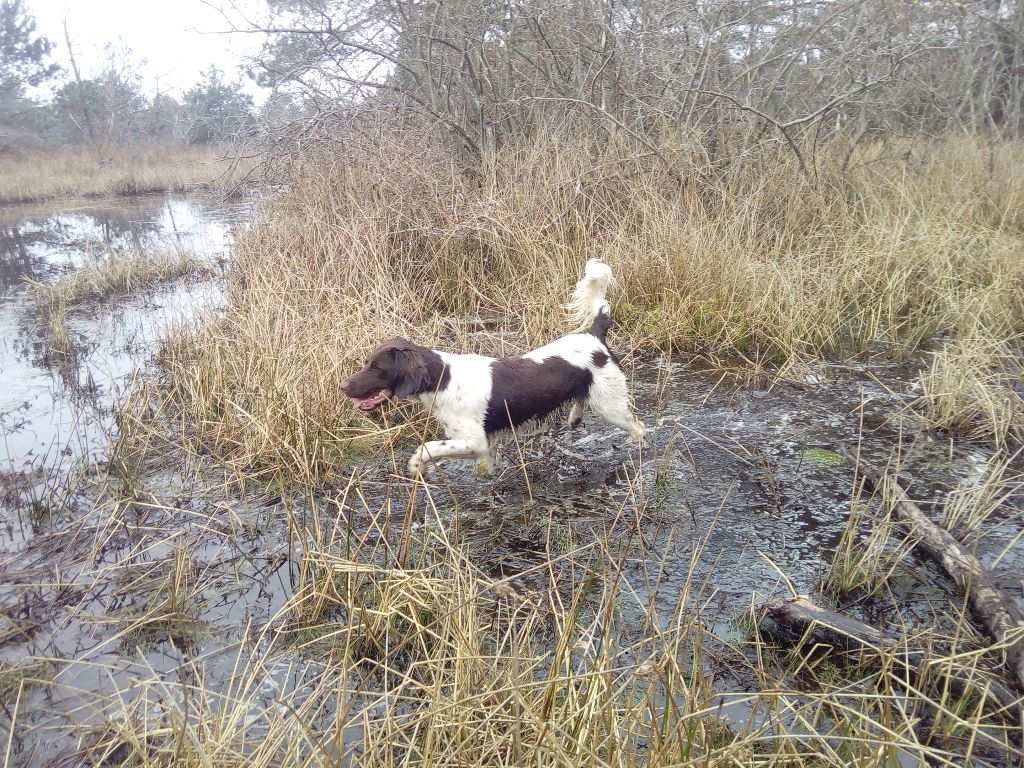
x=758 y=262
x=400 y=650
x=86 y=172
x=451 y=169
x=113 y=274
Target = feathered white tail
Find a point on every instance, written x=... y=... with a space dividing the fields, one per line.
x=588 y=298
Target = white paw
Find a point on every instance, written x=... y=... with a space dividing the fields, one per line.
x=415 y=467
x=639 y=435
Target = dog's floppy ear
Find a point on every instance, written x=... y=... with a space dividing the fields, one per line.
x=411 y=370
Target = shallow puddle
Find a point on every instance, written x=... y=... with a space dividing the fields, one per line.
x=749 y=479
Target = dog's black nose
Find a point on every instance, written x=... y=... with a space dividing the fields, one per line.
x=344 y=386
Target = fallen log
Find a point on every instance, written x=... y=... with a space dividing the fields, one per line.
x=993 y=607
x=798 y=621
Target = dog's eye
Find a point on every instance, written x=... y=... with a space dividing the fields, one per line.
x=374 y=364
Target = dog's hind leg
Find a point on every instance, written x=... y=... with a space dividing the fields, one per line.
x=610 y=400
x=446 y=449
x=576 y=414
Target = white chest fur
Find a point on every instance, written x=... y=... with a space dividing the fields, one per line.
x=461 y=405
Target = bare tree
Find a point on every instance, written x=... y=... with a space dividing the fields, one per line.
x=734 y=73
x=81 y=102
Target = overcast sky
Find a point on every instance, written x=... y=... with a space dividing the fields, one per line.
x=178 y=39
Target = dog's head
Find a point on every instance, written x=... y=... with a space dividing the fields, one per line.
x=396 y=368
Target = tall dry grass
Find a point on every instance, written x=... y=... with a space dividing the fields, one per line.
x=87 y=172
x=402 y=651
x=389 y=237
x=975 y=388
x=102 y=276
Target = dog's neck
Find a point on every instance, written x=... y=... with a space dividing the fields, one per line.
x=438 y=374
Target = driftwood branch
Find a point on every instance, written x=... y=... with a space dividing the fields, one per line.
x=993 y=607
x=800 y=622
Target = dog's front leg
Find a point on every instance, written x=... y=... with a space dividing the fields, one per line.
x=485 y=464
x=446 y=449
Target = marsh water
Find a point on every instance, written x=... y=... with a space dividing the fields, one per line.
x=740 y=484
x=55 y=412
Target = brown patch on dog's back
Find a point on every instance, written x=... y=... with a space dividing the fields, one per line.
x=522 y=390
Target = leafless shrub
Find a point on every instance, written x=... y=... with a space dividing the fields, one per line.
x=738 y=74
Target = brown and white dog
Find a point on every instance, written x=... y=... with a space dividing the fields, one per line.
x=476 y=397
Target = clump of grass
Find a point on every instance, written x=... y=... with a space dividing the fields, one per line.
x=865 y=556
x=969 y=506
x=975 y=389
x=59 y=341
x=36 y=495
x=112 y=274
x=89 y=172
x=15 y=678
x=160 y=600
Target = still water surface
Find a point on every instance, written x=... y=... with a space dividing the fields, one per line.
x=56 y=414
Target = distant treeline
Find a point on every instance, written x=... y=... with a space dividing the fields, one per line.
x=104 y=108
x=720 y=78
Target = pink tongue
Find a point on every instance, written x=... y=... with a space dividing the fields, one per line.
x=371 y=401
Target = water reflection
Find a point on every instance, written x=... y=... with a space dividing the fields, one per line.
x=56 y=410
x=38 y=241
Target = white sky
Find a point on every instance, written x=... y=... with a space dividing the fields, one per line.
x=177 y=39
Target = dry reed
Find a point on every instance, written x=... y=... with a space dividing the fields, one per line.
x=112 y=274
x=401 y=651
x=756 y=261
x=88 y=172
x=397 y=648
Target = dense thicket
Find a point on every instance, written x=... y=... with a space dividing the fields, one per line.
x=721 y=75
